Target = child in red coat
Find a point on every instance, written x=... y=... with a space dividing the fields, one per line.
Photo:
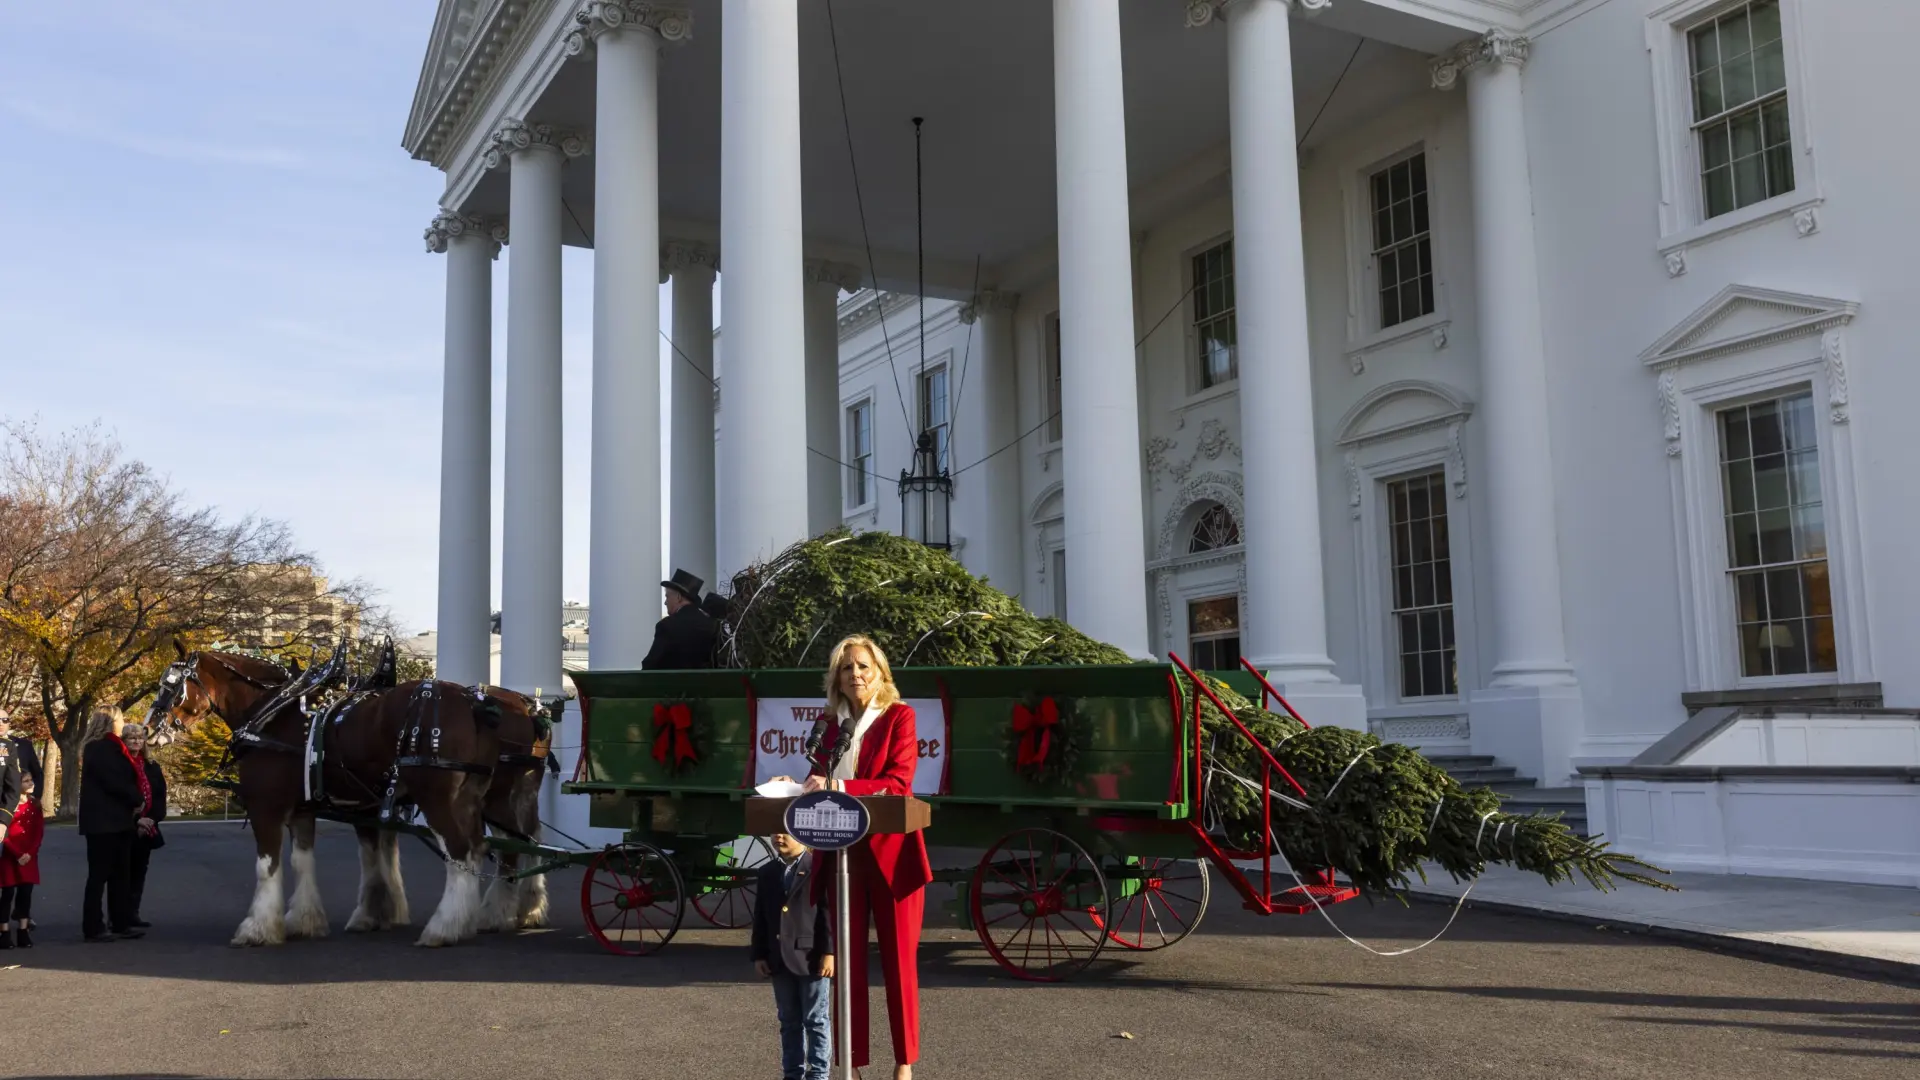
x=20 y=870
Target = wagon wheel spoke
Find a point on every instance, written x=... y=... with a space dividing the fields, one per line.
x=1040 y=905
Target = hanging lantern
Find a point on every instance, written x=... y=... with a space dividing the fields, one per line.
x=926 y=494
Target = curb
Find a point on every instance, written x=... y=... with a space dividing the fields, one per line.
x=1898 y=971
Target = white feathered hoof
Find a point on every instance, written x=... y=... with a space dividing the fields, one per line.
x=497 y=908
x=533 y=904
x=309 y=924
x=363 y=923
x=254 y=931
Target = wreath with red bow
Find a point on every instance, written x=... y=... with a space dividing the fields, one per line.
x=1043 y=740
x=676 y=735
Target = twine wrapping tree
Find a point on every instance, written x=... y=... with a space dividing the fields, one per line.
x=1376 y=812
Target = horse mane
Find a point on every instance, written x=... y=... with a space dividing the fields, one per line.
x=250 y=666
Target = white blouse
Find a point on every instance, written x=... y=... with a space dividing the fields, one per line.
x=851 y=759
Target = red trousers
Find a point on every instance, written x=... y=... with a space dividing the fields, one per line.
x=898 y=924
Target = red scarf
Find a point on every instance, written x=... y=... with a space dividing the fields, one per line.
x=140 y=772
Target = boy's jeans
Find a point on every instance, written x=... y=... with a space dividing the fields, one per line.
x=806 y=1009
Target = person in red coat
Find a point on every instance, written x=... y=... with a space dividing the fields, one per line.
x=887 y=872
x=20 y=869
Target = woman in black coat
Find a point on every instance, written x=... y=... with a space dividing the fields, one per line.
x=147 y=829
x=112 y=801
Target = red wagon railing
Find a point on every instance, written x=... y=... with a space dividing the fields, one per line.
x=1312 y=889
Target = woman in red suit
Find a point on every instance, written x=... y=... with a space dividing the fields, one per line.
x=887 y=872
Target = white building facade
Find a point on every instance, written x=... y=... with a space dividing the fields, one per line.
x=1517 y=378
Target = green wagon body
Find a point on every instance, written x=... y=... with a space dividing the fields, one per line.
x=1127 y=801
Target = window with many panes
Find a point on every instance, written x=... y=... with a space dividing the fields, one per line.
x=1776 y=537
x=1052 y=387
x=859 y=453
x=1402 y=241
x=1738 y=64
x=933 y=411
x=1213 y=324
x=1213 y=633
x=1423 y=586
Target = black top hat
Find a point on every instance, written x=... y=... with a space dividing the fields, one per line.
x=685 y=584
x=715 y=605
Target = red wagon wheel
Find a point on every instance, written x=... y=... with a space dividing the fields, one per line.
x=1039 y=904
x=1165 y=900
x=728 y=902
x=633 y=899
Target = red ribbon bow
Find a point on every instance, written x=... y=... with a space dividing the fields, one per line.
x=1035 y=728
x=672 y=726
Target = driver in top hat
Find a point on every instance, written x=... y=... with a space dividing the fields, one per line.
x=684 y=639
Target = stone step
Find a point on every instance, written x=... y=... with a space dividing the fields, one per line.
x=1451 y=762
x=1492 y=774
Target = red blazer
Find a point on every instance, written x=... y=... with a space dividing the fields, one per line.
x=23 y=837
x=889 y=756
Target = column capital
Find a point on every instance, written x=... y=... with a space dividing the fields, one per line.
x=989 y=300
x=518 y=136
x=446 y=227
x=825 y=272
x=1203 y=12
x=1492 y=47
x=679 y=255
x=668 y=22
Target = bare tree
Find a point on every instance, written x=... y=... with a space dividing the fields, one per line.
x=106 y=569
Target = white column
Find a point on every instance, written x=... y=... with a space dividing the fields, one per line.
x=1100 y=468
x=763 y=454
x=466 y=446
x=997 y=479
x=530 y=533
x=825 y=281
x=624 y=558
x=1533 y=706
x=690 y=545
x=1284 y=627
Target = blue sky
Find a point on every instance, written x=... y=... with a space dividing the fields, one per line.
x=213 y=247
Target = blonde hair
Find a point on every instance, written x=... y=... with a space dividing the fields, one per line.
x=105 y=721
x=884 y=694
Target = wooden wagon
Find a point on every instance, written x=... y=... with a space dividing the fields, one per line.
x=1081 y=787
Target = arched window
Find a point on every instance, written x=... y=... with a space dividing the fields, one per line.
x=1214 y=528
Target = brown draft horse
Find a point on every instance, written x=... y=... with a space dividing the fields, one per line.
x=447 y=742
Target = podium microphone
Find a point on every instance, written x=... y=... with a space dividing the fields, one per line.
x=816 y=736
x=840 y=747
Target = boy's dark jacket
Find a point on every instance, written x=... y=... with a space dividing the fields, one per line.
x=771 y=900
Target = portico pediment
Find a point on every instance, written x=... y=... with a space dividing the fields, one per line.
x=469 y=38
x=1744 y=317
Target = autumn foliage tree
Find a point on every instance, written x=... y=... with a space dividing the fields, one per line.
x=103 y=567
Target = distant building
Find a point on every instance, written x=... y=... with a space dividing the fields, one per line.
x=309 y=612
x=573 y=645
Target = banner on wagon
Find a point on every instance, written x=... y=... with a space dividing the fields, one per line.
x=780 y=738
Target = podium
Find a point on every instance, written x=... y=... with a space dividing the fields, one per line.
x=885 y=814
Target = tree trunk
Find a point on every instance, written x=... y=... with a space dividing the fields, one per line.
x=49 y=795
x=69 y=761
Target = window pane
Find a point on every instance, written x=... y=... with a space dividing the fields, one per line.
x=1770 y=68
x=1719 y=191
x=1810 y=532
x=1707 y=98
x=1418 y=166
x=1736 y=77
x=1768 y=435
x=1735 y=38
x=1734 y=442
x=1783 y=594
x=1745 y=131
x=1776 y=536
x=1706 y=49
x=1766 y=21
x=1738 y=479
x=1770 y=482
x=1779 y=171
x=1804 y=477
